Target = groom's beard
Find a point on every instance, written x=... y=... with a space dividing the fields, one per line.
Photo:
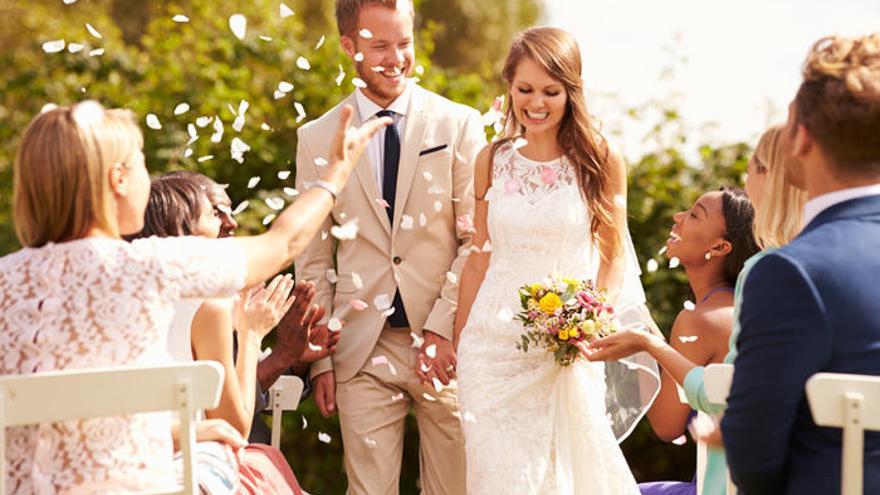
x=379 y=86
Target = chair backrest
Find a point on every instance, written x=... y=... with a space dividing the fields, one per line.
x=717 y=378
x=851 y=402
x=284 y=395
x=91 y=393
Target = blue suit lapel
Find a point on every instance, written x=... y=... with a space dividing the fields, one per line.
x=854 y=208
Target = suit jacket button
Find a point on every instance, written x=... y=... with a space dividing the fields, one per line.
x=396 y=260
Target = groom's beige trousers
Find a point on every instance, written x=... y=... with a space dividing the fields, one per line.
x=372 y=409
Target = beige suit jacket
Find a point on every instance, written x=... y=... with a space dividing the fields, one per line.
x=434 y=190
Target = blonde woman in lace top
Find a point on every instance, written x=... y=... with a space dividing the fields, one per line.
x=77 y=296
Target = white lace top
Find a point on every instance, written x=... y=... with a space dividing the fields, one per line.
x=100 y=302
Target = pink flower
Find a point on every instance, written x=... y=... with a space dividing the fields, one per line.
x=512 y=186
x=549 y=176
x=586 y=300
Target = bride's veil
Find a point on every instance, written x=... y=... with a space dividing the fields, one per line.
x=632 y=383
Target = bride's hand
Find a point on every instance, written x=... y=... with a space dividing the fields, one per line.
x=620 y=344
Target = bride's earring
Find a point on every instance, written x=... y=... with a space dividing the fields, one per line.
x=708 y=255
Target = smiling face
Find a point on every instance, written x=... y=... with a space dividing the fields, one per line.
x=208 y=223
x=222 y=207
x=388 y=55
x=698 y=230
x=539 y=101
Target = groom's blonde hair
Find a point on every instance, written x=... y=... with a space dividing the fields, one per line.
x=778 y=217
x=348 y=12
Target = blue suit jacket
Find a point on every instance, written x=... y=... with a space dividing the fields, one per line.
x=812 y=306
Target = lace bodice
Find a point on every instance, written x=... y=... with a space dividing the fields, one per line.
x=100 y=302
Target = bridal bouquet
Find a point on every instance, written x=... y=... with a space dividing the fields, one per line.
x=559 y=313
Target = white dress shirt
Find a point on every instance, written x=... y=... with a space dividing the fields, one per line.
x=367 y=109
x=821 y=203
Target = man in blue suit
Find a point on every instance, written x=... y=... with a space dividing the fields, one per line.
x=814 y=305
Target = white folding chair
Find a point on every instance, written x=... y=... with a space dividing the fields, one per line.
x=717 y=379
x=284 y=395
x=80 y=394
x=851 y=402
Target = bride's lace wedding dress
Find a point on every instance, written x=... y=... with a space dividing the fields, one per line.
x=531 y=426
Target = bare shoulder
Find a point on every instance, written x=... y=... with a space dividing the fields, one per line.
x=212 y=314
x=710 y=326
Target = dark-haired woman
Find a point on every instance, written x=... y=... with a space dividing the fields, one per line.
x=712 y=241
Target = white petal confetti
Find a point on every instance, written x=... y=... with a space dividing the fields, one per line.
x=53 y=46
x=180 y=18
x=218 y=130
x=275 y=203
x=680 y=440
x=341 y=76
x=153 y=122
x=320 y=42
x=252 y=182
x=94 y=32
x=423 y=220
x=284 y=11
x=370 y=442
x=420 y=70
x=620 y=200
x=429 y=397
x=75 y=47
x=264 y=126
x=365 y=33
x=68 y=2
x=431 y=351
x=303 y=63
x=428 y=176
x=241 y=207
x=689 y=306
x=505 y=314
x=406 y=222
x=438 y=206
x=205 y=158
x=519 y=143
x=652 y=266
x=238 y=123
x=279 y=94
x=320 y=162
x=300 y=111
x=662 y=251
x=334 y=325
x=238 y=25
x=204 y=120
x=382 y=302
x=305 y=423
x=487 y=247
x=358 y=305
x=284 y=174
x=452 y=278
x=674 y=262
x=323 y=437
x=188 y=153
x=238 y=148
x=345 y=232
x=359 y=57
x=314 y=348
x=181 y=109
x=436 y=190
x=469 y=417
x=397 y=397
x=265 y=38
x=268 y=219
x=688 y=339
x=379 y=360
x=357 y=281
x=438 y=385
x=97 y=52
x=285 y=87
x=358 y=82
x=290 y=192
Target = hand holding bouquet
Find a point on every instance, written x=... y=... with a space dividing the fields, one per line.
x=560 y=313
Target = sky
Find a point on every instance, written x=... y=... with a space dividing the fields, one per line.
x=736 y=64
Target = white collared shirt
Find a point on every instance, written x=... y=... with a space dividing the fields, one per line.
x=367 y=109
x=821 y=203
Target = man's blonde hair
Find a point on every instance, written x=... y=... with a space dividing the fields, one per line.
x=348 y=11
x=61 y=187
x=779 y=217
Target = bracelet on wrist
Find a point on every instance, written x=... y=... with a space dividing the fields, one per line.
x=327 y=186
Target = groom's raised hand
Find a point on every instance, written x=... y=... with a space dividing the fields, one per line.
x=436 y=359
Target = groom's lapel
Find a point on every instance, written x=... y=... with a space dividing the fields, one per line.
x=413 y=136
x=366 y=177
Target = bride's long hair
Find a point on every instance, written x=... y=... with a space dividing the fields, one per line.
x=557 y=52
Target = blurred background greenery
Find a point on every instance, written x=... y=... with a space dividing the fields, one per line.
x=151 y=63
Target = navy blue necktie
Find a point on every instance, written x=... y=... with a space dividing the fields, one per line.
x=390 y=164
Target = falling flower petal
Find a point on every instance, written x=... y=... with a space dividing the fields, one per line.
x=252 y=182
x=204 y=120
x=358 y=305
x=97 y=52
x=314 y=348
x=370 y=442
x=205 y=158
x=359 y=57
x=305 y=423
x=674 y=262
x=68 y=2
x=680 y=440
x=238 y=148
x=689 y=306
x=438 y=206
x=345 y=232
x=75 y=47
x=241 y=207
x=238 y=25
x=383 y=203
x=431 y=351
x=94 y=32
x=436 y=190
x=662 y=251
x=487 y=247
x=417 y=340
x=323 y=437
x=290 y=191
x=334 y=325
x=519 y=143
x=428 y=176
x=379 y=360
x=452 y=278
x=284 y=174
x=438 y=385
x=505 y=314
x=268 y=219
x=687 y=339
x=320 y=42
x=188 y=153
x=652 y=265
x=620 y=200
x=53 y=46
x=180 y=18
x=264 y=126
x=265 y=38
x=469 y=417
x=429 y=397
x=153 y=122
x=218 y=130
x=397 y=397
x=406 y=222
x=181 y=109
x=423 y=220
x=356 y=280
x=320 y=162
x=303 y=63
x=285 y=87
x=300 y=111
x=358 y=82
x=365 y=33
x=341 y=76
x=275 y=203
x=284 y=11
x=382 y=302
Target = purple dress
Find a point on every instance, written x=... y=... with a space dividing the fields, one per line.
x=671 y=487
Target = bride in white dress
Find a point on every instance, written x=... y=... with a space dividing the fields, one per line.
x=551 y=199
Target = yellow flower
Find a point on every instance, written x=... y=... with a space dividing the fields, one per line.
x=563 y=335
x=588 y=327
x=550 y=303
x=573 y=333
x=535 y=289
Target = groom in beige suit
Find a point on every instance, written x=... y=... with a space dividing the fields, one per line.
x=395 y=286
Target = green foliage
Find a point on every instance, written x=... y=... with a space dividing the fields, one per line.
x=151 y=64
